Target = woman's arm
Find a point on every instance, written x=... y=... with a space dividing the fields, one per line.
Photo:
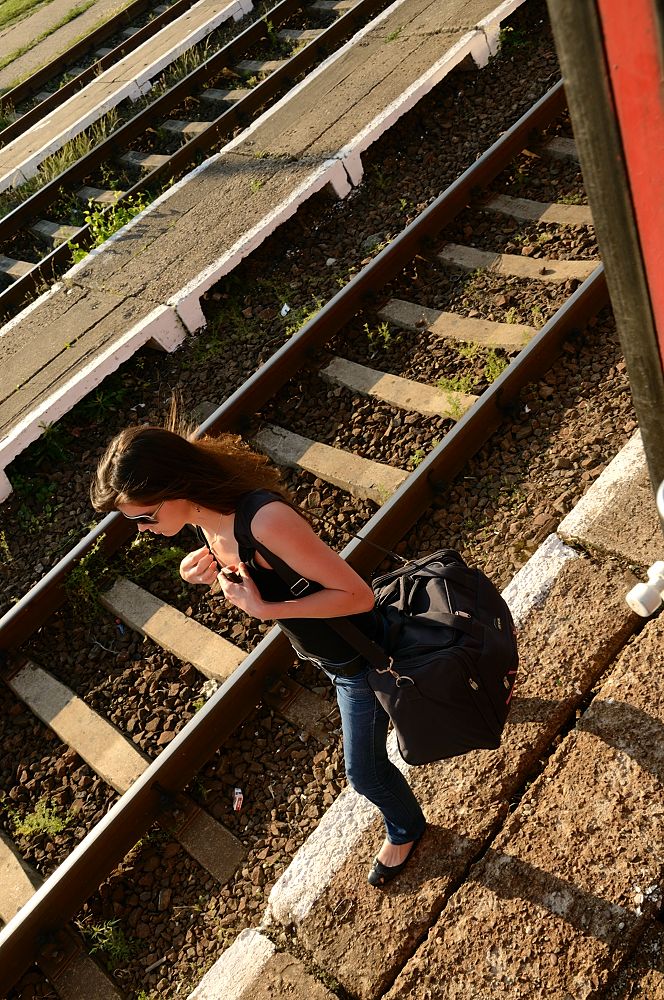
x=287 y=535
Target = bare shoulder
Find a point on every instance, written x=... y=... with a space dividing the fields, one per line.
x=277 y=517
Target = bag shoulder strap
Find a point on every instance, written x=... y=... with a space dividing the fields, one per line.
x=299 y=586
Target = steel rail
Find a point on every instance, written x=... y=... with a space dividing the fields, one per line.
x=59 y=899
x=35 y=607
x=189 y=153
x=27 y=88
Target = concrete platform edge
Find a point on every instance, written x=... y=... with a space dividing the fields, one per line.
x=160 y=328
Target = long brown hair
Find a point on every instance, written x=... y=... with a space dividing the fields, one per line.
x=145 y=465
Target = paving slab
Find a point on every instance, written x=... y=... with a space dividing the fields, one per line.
x=618 y=514
x=340 y=920
x=576 y=874
x=253 y=969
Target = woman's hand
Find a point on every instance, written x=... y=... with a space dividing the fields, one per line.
x=244 y=595
x=199 y=566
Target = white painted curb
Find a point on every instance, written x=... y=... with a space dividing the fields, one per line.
x=628 y=464
x=231 y=977
x=160 y=328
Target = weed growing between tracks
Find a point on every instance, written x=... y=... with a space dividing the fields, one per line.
x=54 y=165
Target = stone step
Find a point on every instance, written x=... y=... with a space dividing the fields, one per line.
x=143 y=161
x=98 y=195
x=517 y=266
x=117 y=760
x=252 y=969
x=359 y=476
x=299 y=35
x=212 y=96
x=539 y=211
x=14 y=268
x=187 y=130
x=72 y=966
x=562 y=148
x=100 y=53
x=400 y=392
x=211 y=654
x=466 y=800
x=259 y=67
x=572 y=879
x=485 y=333
x=128 y=32
x=53 y=233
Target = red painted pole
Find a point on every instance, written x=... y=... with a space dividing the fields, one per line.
x=634 y=64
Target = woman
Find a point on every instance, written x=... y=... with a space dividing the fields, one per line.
x=162 y=479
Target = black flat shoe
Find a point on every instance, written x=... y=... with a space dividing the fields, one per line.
x=381 y=874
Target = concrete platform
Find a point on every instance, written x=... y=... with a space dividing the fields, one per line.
x=152 y=275
x=521 y=888
x=130 y=78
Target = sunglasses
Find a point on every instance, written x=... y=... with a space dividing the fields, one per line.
x=145 y=518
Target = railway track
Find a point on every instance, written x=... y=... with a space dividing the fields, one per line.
x=476 y=369
x=122 y=173
x=47 y=89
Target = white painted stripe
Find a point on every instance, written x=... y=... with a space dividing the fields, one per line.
x=233 y=975
x=531 y=585
x=161 y=327
x=625 y=468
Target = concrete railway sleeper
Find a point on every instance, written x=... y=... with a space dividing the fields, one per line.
x=403 y=498
x=106 y=177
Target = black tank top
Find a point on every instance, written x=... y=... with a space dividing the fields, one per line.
x=309 y=636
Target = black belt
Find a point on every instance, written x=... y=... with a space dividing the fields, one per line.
x=349 y=669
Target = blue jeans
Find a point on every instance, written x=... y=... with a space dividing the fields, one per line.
x=368 y=767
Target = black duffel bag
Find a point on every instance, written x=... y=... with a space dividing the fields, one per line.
x=452 y=654
x=447 y=666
